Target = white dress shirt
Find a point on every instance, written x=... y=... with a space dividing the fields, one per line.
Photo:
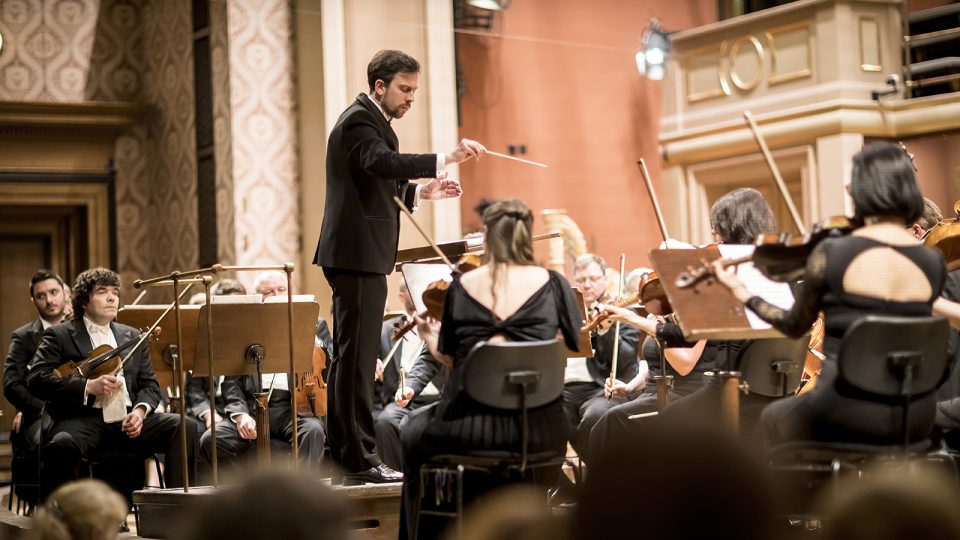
x=103 y=335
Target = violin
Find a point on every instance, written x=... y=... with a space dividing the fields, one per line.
x=602 y=316
x=310 y=389
x=780 y=257
x=436 y=294
x=104 y=360
x=945 y=236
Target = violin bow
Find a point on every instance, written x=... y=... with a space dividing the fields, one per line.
x=149 y=331
x=424 y=234
x=653 y=198
x=616 y=329
x=778 y=180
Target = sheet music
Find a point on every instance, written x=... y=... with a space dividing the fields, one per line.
x=757 y=284
x=237 y=299
x=283 y=299
x=420 y=275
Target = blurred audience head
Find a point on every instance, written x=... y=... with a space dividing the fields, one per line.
x=900 y=501
x=513 y=513
x=81 y=510
x=273 y=504
x=673 y=481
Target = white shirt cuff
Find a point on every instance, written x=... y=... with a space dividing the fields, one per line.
x=416 y=197
x=148 y=408
x=441 y=164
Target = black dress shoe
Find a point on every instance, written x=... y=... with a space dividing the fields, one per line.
x=124 y=528
x=381 y=474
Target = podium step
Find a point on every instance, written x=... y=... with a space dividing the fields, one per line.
x=376 y=510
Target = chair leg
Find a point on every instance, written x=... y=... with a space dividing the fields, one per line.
x=459 y=517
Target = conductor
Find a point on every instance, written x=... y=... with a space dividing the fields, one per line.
x=358 y=246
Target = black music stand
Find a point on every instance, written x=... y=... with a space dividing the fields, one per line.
x=252 y=339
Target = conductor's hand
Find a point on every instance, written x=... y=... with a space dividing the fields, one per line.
x=246 y=426
x=440 y=188
x=404 y=395
x=17 y=420
x=103 y=385
x=132 y=423
x=465 y=150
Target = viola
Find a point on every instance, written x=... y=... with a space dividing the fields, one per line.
x=945 y=236
x=310 y=389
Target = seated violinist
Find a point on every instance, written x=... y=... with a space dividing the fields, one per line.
x=410 y=379
x=583 y=396
x=236 y=434
x=508 y=297
x=878 y=269
x=108 y=411
x=739 y=217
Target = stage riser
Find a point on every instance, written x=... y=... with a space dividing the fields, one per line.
x=376 y=510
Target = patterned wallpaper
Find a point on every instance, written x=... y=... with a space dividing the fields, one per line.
x=172 y=164
x=264 y=129
x=141 y=51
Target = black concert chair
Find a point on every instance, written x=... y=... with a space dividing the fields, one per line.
x=512 y=376
x=883 y=358
x=772 y=367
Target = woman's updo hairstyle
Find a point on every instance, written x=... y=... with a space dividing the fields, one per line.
x=509 y=236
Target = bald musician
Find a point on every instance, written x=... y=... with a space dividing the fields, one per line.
x=358 y=245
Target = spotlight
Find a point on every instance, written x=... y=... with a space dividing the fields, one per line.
x=490 y=5
x=656 y=45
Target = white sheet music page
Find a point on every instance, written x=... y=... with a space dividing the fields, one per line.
x=757 y=284
x=420 y=275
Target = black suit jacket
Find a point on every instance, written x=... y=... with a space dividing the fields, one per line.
x=70 y=341
x=425 y=370
x=627 y=364
x=365 y=170
x=23 y=345
x=238 y=392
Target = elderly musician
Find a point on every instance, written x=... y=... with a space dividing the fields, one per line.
x=358 y=245
x=113 y=410
x=583 y=396
x=238 y=432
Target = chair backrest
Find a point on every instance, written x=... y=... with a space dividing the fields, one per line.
x=877 y=349
x=772 y=367
x=492 y=365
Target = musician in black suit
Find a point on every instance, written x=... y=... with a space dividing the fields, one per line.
x=358 y=245
x=107 y=411
x=583 y=397
x=47 y=295
x=238 y=431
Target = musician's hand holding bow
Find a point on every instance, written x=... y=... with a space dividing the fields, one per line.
x=246 y=426
x=378 y=372
x=132 y=423
x=103 y=386
x=616 y=388
x=404 y=396
x=727 y=276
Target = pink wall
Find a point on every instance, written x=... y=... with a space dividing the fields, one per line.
x=563 y=81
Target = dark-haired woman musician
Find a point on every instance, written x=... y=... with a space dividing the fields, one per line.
x=879 y=269
x=509 y=298
x=739 y=217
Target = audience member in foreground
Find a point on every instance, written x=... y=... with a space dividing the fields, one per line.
x=81 y=510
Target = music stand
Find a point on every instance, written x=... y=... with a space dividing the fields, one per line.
x=708 y=310
x=165 y=344
x=252 y=339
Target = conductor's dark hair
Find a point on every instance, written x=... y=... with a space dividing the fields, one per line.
x=386 y=64
x=87 y=282
x=883 y=184
x=742 y=215
x=42 y=275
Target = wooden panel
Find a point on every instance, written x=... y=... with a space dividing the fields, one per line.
x=22 y=256
x=790 y=57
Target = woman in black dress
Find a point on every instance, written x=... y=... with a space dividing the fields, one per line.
x=879 y=269
x=509 y=298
